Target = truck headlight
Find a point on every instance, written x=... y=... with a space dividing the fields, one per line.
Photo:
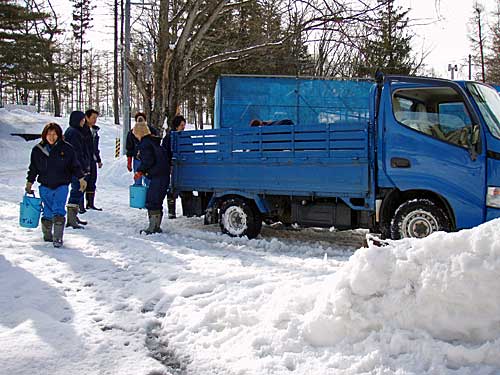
x=493 y=197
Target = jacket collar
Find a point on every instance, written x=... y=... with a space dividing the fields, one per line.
x=42 y=146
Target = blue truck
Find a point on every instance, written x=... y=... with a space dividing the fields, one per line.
x=401 y=156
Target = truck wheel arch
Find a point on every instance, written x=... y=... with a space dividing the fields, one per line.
x=395 y=197
x=255 y=199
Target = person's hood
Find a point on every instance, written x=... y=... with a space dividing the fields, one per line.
x=140 y=130
x=75 y=117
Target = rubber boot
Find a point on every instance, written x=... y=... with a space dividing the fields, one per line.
x=81 y=207
x=72 y=216
x=90 y=195
x=158 y=224
x=81 y=210
x=47 y=230
x=80 y=221
x=171 y=207
x=58 y=230
x=154 y=222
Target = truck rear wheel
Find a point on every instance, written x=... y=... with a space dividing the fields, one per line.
x=238 y=218
x=417 y=219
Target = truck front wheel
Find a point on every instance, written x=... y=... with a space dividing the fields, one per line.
x=238 y=218
x=418 y=218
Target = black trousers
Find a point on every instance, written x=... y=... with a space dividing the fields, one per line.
x=157 y=191
x=92 y=180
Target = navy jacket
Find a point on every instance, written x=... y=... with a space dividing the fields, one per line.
x=88 y=142
x=132 y=142
x=95 y=141
x=54 y=166
x=154 y=158
x=166 y=143
x=74 y=135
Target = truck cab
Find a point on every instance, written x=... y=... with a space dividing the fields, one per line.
x=435 y=171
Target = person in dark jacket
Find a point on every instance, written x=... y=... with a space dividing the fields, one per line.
x=133 y=158
x=75 y=136
x=95 y=160
x=178 y=124
x=155 y=165
x=53 y=164
x=88 y=145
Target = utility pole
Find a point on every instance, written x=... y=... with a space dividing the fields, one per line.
x=452 y=69
x=116 y=95
x=126 y=79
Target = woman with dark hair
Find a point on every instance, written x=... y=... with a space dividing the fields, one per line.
x=53 y=164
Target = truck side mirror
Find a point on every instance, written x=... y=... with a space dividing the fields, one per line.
x=473 y=141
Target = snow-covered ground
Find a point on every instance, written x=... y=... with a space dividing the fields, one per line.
x=192 y=301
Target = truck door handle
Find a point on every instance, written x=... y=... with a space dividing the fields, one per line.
x=400 y=163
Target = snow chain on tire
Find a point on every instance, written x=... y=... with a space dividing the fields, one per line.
x=238 y=218
x=418 y=218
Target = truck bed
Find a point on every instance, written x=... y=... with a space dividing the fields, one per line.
x=330 y=160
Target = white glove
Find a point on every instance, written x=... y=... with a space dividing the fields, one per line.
x=83 y=184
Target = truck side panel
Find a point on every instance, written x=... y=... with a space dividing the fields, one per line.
x=329 y=160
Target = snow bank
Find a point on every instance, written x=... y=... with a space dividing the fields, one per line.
x=16 y=150
x=446 y=285
x=415 y=306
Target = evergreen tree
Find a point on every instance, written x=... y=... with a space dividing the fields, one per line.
x=389 y=46
x=22 y=66
x=82 y=19
x=48 y=29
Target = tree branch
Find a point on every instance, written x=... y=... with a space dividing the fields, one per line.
x=202 y=66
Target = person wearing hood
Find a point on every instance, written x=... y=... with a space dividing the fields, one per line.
x=75 y=136
x=53 y=164
x=88 y=145
x=95 y=157
x=155 y=165
x=131 y=146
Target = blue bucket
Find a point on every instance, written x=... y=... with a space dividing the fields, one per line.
x=138 y=196
x=29 y=213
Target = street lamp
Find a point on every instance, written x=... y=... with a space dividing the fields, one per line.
x=452 y=69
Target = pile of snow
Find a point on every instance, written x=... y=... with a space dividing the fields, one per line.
x=113 y=301
x=416 y=306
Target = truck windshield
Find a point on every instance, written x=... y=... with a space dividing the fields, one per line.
x=488 y=101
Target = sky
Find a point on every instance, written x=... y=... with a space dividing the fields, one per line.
x=443 y=30
x=447 y=37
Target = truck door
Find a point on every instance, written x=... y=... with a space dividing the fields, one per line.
x=427 y=146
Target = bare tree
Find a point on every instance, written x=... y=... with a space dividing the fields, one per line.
x=491 y=61
x=82 y=18
x=477 y=37
x=182 y=29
